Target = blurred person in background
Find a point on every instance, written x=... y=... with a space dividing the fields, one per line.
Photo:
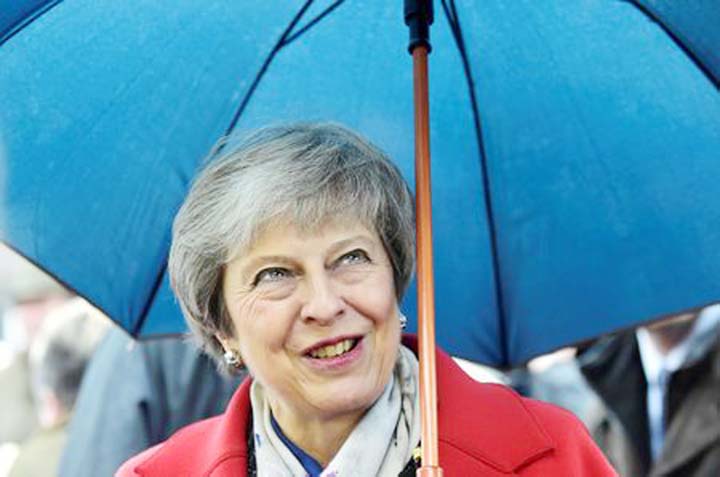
x=135 y=395
x=660 y=389
x=556 y=378
x=17 y=411
x=58 y=356
x=26 y=296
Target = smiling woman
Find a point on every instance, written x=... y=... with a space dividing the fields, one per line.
x=316 y=319
x=289 y=257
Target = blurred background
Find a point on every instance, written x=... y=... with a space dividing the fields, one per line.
x=77 y=395
x=47 y=336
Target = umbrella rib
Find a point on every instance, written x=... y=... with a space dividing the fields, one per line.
x=266 y=64
x=148 y=303
x=284 y=39
x=246 y=99
x=22 y=23
x=675 y=37
x=454 y=21
x=313 y=22
x=452 y=14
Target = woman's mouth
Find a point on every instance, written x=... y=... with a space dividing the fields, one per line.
x=336 y=355
x=334 y=350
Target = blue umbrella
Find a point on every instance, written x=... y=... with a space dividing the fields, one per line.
x=574 y=144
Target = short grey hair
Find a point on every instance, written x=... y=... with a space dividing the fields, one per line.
x=304 y=174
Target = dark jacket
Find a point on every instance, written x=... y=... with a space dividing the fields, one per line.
x=135 y=395
x=484 y=430
x=692 y=441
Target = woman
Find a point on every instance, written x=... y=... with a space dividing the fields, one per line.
x=289 y=257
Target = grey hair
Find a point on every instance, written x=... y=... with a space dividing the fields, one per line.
x=304 y=174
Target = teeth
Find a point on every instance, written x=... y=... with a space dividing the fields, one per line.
x=332 y=351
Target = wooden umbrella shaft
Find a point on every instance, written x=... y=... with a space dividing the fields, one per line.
x=426 y=286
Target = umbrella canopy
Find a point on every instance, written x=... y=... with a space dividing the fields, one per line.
x=574 y=146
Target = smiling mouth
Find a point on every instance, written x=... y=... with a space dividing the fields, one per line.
x=334 y=350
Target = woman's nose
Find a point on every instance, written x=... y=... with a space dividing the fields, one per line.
x=323 y=303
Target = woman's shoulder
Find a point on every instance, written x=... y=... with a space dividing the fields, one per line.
x=490 y=426
x=574 y=448
x=128 y=469
x=173 y=453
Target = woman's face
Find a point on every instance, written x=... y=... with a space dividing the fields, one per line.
x=315 y=317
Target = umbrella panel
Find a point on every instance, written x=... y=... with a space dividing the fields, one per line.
x=600 y=136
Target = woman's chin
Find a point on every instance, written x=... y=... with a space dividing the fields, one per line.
x=342 y=410
x=346 y=398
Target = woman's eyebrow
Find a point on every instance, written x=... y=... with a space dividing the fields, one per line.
x=344 y=243
x=249 y=269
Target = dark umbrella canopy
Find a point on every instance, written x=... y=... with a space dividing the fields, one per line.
x=575 y=147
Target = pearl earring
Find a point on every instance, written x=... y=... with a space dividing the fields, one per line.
x=403 y=321
x=232 y=359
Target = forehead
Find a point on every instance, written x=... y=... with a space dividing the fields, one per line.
x=286 y=236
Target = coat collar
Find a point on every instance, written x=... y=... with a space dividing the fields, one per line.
x=499 y=413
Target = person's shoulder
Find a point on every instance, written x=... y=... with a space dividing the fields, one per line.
x=170 y=454
x=208 y=447
x=574 y=449
x=555 y=419
x=128 y=469
x=511 y=433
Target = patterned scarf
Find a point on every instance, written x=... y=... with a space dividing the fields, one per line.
x=381 y=444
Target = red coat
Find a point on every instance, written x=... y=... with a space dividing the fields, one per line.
x=485 y=430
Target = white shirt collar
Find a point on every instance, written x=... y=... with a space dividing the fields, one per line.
x=654 y=362
x=658 y=367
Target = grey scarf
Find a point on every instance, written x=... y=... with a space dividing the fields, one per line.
x=381 y=444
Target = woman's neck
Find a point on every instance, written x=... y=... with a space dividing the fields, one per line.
x=320 y=438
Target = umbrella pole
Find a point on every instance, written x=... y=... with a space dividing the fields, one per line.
x=418 y=17
x=426 y=285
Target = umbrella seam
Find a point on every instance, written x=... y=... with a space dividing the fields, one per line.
x=312 y=22
x=453 y=20
x=151 y=299
x=286 y=37
x=279 y=44
x=27 y=20
x=61 y=282
x=675 y=37
x=261 y=72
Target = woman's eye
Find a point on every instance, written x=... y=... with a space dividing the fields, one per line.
x=269 y=275
x=356 y=256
